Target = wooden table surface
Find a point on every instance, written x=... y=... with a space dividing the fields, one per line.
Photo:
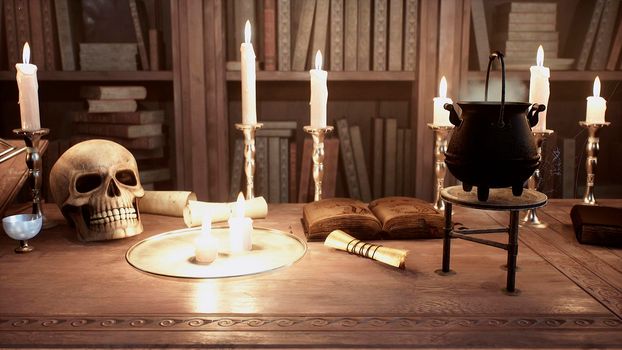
x=72 y=294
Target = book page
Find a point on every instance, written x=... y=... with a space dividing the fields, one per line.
x=350 y=215
x=405 y=217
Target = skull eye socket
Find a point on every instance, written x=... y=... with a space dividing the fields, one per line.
x=87 y=183
x=126 y=177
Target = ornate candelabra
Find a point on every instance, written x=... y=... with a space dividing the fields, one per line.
x=441 y=136
x=591 y=149
x=318 y=135
x=249 y=155
x=33 y=161
x=531 y=217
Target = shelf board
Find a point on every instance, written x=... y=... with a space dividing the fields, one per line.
x=333 y=76
x=165 y=75
x=556 y=75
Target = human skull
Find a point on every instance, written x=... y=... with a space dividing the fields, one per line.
x=95 y=183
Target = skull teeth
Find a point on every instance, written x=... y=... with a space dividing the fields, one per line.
x=116 y=214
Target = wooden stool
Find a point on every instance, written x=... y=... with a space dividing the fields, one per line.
x=501 y=200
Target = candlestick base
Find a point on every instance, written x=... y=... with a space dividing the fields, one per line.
x=591 y=149
x=249 y=155
x=441 y=139
x=34 y=163
x=531 y=216
x=318 y=135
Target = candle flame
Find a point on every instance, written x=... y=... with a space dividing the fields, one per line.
x=442 y=88
x=318 y=60
x=540 y=57
x=596 y=89
x=247 y=32
x=26 y=53
x=238 y=207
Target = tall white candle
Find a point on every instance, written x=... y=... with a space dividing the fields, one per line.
x=441 y=116
x=240 y=228
x=247 y=54
x=539 y=88
x=206 y=246
x=596 y=106
x=28 y=95
x=319 y=93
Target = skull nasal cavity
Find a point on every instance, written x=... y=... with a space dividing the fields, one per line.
x=113 y=190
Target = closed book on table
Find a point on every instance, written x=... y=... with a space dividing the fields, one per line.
x=597 y=224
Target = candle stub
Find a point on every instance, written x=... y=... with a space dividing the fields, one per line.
x=539 y=87
x=206 y=246
x=240 y=228
x=596 y=106
x=441 y=116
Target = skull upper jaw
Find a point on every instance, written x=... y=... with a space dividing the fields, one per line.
x=88 y=232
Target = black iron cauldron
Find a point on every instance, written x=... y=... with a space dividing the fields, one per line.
x=492 y=145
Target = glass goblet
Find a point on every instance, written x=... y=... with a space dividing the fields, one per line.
x=22 y=227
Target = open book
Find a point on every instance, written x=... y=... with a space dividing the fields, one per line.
x=390 y=217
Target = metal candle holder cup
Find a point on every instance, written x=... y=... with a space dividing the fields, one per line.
x=531 y=217
x=249 y=155
x=591 y=148
x=318 y=135
x=34 y=162
x=441 y=137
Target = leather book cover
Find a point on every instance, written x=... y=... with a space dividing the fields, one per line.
x=347 y=156
x=320 y=31
x=380 y=35
x=336 y=35
x=407 y=217
x=602 y=45
x=269 y=34
x=284 y=33
x=396 y=15
x=50 y=44
x=350 y=215
x=139 y=19
x=410 y=34
x=350 y=34
x=363 y=35
x=303 y=36
x=284 y=170
x=598 y=225
x=36 y=34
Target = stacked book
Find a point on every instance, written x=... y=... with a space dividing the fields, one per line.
x=275 y=160
x=108 y=56
x=523 y=26
x=391 y=160
x=113 y=114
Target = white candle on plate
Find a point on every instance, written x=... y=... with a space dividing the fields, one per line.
x=28 y=95
x=206 y=246
x=441 y=116
x=240 y=228
x=596 y=106
x=247 y=54
x=539 y=87
x=319 y=93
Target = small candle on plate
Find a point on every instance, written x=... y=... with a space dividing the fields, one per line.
x=247 y=54
x=539 y=87
x=441 y=116
x=596 y=106
x=206 y=246
x=240 y=228
x=28 y=95
x=319 y=93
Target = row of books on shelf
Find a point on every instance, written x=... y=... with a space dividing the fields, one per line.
x=595 y=41
x=58 y=33
x=280 y=180
x=353 y=35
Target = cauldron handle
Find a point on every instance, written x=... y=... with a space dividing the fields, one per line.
x=499 y=55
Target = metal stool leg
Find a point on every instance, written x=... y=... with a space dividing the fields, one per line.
x=447 y=241
x=512 y=253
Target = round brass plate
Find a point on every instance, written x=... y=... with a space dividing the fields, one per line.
x=172 y=254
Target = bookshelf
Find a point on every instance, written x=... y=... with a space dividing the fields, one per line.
x=80 y=76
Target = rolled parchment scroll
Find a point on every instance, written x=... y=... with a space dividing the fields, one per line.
x=390 y=256
x=171 y=203
x=255 y=208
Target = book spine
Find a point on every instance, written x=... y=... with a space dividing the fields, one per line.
x=11 y=34
x=261 y=167
x=395 y=34
x=331 y=164
x=347 y=155
x=361 y=164
x=336 y=35
x=363 y=35
x=22 y=20
x=49 y=35
x=147 y=143
x=603 y=38
x=112 y=106
x=284 y=170
x=480 y=31
x=236 y=169
x=140 y=38
x=408 y=163
x=390 y=147
x=269 y=34
x=274 y=187
x=410 y=34
x=377 y=160
x=590 y=34
x=65 y=36
x=320 y=30
x=305 y=171
x=155 y=49
x=119 y=130
x=138 y=117
x=399 y=168
x=380 y=35
x=303 y=36
x=36 y=33
x=351 y=29
x=284 y=34
x=113 y=92
x=293 y=193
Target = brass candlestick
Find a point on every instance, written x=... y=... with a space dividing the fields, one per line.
x=249 y=155
x=318 y=156
x=441 y=136
x=592 y=147
x=33 y=161
x=531 y=217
